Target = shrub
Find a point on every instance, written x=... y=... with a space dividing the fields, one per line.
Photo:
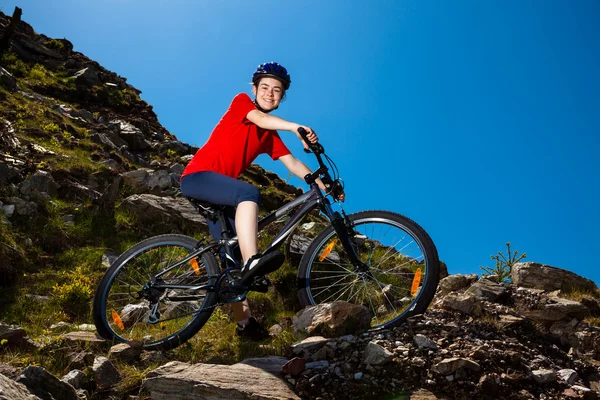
x=74 y=296
x=52 y=128
x=504 y=264
x=37 y=73
x=54 y=44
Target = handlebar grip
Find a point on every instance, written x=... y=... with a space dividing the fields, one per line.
x=317 y=148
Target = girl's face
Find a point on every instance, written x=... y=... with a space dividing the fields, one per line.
x=268 y=93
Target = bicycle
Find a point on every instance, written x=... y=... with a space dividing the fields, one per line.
x=162 y=291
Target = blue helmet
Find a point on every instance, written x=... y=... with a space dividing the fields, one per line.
x=272 y=70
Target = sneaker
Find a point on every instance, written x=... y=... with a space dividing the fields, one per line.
x=259 y=265
x=253 y=330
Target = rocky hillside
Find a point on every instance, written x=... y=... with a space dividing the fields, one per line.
x=87 y=170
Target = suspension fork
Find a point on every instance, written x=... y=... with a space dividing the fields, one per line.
x=342 y=226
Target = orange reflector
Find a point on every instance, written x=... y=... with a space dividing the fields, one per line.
x=195 y=265
x=117 y=320
x=416 y=282
x=327 y=250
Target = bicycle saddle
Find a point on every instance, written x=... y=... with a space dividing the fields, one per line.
x=206 y=209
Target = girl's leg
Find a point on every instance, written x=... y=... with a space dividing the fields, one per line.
x=220 y=189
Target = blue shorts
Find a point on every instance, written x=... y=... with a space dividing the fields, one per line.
x=219 y=189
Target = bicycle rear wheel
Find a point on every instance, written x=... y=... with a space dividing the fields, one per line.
x=122 y=308
x=402 y=261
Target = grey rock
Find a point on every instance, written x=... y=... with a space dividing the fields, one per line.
x=132 y=135
x=557 y=309
x=131 y=313
x=13 y=334
x=332 y=319
x=60 y=326
x=8 y=140
x=309 y=345
x=376 y=355
x=83 y=338
x=159 y=180
x=23 y=207
x=45 y=385
x=112 y=164
x=152 y=208
x=317 y=364
x=174 y=145
x=181 y=381
x=177 y=168
x=568 y=375
x=105 y=373
x=464 y=303
x=271 y=364
x=89 y=75
x=39 y=182
x=424 y=342
x=7 y=80
x=545 y=277
x=124 y=352
x=486 y=289
x=75 y=378
x=454 y=283
x=8 y=209
x=108 y=258
x=542 y=376
x=451 y=365
x=11 y=390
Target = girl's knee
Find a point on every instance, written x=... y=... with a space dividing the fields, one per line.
x=251 y=194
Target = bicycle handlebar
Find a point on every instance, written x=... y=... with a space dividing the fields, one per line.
x=316 y=148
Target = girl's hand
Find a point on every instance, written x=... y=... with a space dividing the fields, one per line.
x=312 y=137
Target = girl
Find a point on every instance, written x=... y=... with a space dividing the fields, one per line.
x=245 y=131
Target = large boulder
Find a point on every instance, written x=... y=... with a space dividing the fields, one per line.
x=7 y=80
x=45 y=385
x=332 y=319
x=145 y=179
x=539 y=276
x=132 y=135
x=456 y=282
x=486 y=289
x=38 y=183
x=181 y=381
x=165 y=210
x=11 y=390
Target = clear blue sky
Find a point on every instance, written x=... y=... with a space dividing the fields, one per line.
x=478 y=119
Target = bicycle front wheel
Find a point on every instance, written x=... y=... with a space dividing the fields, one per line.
x=128 y=307
x=402 y=271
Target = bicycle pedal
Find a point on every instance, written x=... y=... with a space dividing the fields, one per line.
x=260 y=284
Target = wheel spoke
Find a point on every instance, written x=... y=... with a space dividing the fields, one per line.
x=393 y=254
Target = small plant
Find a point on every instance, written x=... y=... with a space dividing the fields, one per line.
x=74 y=295
x=504 y=264
x=54 y=44
x=171 y=154
x=52 y=128
x=37 y=73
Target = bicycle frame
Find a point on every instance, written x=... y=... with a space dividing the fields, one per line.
x=305 y=203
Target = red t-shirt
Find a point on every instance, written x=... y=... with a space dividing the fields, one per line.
x=236 y=142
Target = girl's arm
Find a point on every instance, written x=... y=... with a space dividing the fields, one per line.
x=299 y=169
x=271 y=122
